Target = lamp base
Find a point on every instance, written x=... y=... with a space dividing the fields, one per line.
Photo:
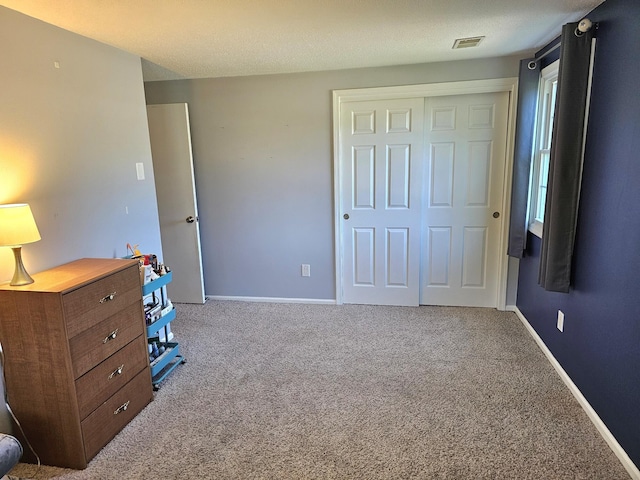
x=20 y=275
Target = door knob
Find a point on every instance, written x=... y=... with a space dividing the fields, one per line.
x=190 y=219
x=496 y=214
x=346 y=216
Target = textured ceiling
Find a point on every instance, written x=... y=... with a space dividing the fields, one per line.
x=221 y=38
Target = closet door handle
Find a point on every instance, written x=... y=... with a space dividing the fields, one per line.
x=191 y=219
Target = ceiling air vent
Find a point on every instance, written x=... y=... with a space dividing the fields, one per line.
x=467 y=42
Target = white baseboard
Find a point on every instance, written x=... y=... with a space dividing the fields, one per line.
x=627 y=463
x=314 y=301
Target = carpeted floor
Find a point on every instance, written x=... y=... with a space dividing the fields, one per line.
x=289 y=391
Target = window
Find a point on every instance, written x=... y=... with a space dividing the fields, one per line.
x=542 y=147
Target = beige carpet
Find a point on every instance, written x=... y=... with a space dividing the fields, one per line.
x=287 y=391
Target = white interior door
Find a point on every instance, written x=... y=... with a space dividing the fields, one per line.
x=381 y=151
x=466 y=152
x=177 y=206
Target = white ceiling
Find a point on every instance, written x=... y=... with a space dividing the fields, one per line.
x=221 y=38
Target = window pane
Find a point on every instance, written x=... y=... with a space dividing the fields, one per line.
x=542 y=185
x=553 y=87
x=542 y=152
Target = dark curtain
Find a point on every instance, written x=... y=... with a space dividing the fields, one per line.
x=565 y=168
x=528 y=81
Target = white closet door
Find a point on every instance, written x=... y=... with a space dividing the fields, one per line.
x=465 y=149
x=381 y=151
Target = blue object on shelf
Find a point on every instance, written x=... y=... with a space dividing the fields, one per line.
x=156 y=284
x=160 y=323
x=166 y=362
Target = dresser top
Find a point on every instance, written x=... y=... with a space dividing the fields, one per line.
x=72 y=275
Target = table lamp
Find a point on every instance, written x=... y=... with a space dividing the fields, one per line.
x=17 y=227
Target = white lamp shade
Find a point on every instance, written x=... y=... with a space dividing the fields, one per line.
x=17 y=225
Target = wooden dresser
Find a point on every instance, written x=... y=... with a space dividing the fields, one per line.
x=76 y=358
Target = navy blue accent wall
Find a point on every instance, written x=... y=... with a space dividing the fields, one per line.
x=600 y=346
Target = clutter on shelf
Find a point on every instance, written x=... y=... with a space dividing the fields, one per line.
x=150 y=269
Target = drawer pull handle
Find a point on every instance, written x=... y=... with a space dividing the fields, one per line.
x=111 y=336
x=117 y=371
x=108 y=298
x=121 y=408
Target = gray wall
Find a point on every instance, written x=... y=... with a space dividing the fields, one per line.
x=262 y=150
x=69 y=141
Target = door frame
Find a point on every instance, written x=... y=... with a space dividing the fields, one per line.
x=509 y=85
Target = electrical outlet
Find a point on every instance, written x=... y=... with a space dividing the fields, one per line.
x=560 y=324
x=306 y=270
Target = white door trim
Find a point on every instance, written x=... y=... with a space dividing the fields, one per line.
x=426 y=90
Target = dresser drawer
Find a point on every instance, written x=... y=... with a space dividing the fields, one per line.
x=93 y=345
x=92 y=303
x=110 y=417
x=97 y=385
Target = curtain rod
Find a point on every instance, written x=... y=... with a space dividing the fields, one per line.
x=532 y=63
x=583 y=26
